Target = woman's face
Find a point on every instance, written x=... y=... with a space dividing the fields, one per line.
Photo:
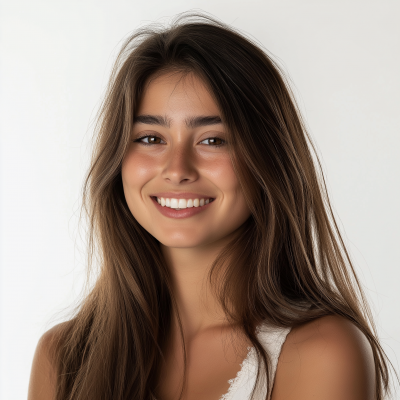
x=179 y=151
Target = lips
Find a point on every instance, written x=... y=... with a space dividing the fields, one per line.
x=180 y=212
x=182 y=203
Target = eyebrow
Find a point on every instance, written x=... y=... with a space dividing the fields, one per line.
x=191 y=122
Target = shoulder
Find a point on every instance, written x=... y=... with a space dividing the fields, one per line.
x=42 y=383
x=329 y=358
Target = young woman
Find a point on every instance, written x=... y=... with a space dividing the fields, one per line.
x=223 y=274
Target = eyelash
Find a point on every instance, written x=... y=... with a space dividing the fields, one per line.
x=151 y=144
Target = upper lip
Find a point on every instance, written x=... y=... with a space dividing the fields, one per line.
x=171 y=195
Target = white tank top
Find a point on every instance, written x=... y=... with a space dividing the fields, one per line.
x=272 y=339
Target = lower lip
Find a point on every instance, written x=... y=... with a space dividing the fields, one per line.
x=184 y=213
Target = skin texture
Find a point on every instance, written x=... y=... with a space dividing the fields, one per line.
x=328 y=359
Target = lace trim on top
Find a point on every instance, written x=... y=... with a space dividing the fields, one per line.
x=272 y=339
x=235 y=383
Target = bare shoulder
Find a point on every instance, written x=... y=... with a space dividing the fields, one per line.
x=42 y=383
x=326 y=359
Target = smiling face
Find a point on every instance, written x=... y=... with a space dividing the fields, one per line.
x=179 y=150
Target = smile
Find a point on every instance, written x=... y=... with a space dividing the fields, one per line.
x=180 y=204
x=181 y=208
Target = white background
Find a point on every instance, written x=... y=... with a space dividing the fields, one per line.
x=343 y=57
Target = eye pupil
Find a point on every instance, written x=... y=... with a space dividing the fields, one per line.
x=216 y=141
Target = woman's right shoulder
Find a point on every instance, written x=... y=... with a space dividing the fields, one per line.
x=43 y=378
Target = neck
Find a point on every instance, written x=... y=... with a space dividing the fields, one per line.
x=198 y=307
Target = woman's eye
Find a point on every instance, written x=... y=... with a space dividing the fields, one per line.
x=214 y=141
x=148 y=140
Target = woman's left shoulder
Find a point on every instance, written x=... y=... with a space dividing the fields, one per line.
x=328 y=358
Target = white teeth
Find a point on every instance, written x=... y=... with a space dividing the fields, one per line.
x=180 y=204
x=174 y=203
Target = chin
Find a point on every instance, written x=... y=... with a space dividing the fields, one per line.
x=182 y=239
x=180 y=242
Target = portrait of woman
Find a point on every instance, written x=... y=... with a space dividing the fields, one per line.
x=223 y=274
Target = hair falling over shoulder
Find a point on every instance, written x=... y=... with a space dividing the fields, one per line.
x=291 y=264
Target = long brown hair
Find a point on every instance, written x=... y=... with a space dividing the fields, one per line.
x=291 y=265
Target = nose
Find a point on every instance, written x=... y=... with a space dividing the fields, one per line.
x=180 y=166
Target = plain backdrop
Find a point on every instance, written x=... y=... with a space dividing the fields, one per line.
x=343 y=59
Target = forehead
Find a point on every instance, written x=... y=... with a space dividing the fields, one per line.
x=177 y=93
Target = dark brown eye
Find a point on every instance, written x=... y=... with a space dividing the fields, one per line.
x=153 y=139
x=214 y=141
x=146 y=140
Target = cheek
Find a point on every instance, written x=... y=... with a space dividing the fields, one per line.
x=136 y=171
x=222 y=174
